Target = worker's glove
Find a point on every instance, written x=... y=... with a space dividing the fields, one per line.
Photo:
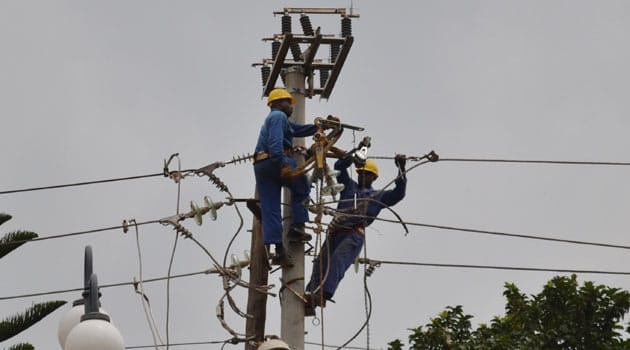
x=332 y=118
x=358 y=161
x=287 y=173
x=366 y=142
x=401 y=161
x=329 y=123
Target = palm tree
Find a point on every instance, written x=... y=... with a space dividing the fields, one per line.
x=15 y=324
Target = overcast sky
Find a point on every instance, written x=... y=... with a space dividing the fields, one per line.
x=103 y=89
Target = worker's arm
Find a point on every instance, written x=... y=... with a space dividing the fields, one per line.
x=398 y=193
x=342 y=164
x=302 y=130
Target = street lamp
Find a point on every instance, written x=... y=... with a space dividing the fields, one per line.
x=73 y=317
x=95 y=331
x=274 y=344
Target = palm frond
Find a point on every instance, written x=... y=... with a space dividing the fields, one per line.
x=20 y=322
x=22 y=346
x=14 y=240
x=4 y=218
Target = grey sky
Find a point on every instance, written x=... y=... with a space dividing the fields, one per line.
x=102 y=89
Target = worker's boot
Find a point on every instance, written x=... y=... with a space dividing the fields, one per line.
x=313 y=300
x=281 y=257
x=297 y=234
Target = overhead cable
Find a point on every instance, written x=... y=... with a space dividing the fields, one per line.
x=64 y=235
x=211 y=342
x=178 y=344
x=520 y=161
x=102 y=286
x=524 y=161
x=495 y=267
x=513 y=235
x=82 y=183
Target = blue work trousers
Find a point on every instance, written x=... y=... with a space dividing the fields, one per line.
x=342 y=248
x=269 y=186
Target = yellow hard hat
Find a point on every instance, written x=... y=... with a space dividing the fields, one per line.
x=370 y=166
x=279 y=94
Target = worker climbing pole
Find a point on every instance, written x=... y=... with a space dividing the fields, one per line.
x=298 y=76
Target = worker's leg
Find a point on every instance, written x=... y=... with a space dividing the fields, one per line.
x=320 y=264
x=341 y=259
x=300 y=191
x=269 y=190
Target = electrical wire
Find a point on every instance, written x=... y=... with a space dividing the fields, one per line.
x=229 y=341
x=170 y=263
x=522 y=161
x=81 y=183
x=179 y=344
x=102 y=286
x=336 y=346
x=368 y=307
x=495 y=233
x=511 y=235
x=148 y=313
x=80 y=233
x=498 y=267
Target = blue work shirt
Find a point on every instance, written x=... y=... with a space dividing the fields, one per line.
x=366 y=210
x=277 y=134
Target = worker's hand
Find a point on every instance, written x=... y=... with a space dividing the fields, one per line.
x=332 y=118
x=401 y=161
x=287 y=173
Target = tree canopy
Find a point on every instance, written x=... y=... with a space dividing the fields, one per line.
x=563 y=316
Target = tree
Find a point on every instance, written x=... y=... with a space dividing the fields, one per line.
x=17 y=323
x=564 y=316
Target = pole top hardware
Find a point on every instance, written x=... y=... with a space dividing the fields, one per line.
x=318 y=11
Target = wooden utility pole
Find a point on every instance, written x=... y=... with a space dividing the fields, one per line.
x=257 y=301
x=298 y=75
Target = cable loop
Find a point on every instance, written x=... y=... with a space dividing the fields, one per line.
x=286 y=286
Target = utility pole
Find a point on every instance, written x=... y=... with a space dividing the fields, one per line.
x=292 y=313
x=298 y=75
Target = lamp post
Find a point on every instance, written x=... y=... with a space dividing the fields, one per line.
x=89 y=304
x=95 y=331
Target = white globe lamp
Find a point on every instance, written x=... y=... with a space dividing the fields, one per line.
x=95 y=331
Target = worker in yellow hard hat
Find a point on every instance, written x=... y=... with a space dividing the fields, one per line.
x=273 y=168
x=346 y=233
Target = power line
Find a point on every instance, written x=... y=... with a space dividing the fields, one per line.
x=211 y=342
x=512 y=235
x=337 y=346
x=64 y=235
x=205 y=272
x=82 y=183
x=178 y=344
x=120 y=284
x=524 y=161
x=496 y=267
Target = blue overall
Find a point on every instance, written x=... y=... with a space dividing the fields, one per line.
x=276 y=138
x=346 y=238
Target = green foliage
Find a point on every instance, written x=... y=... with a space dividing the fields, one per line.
x=4 y=218
x=18 y=323
x=14 y=240
x=22 y=346
x=564 y=316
